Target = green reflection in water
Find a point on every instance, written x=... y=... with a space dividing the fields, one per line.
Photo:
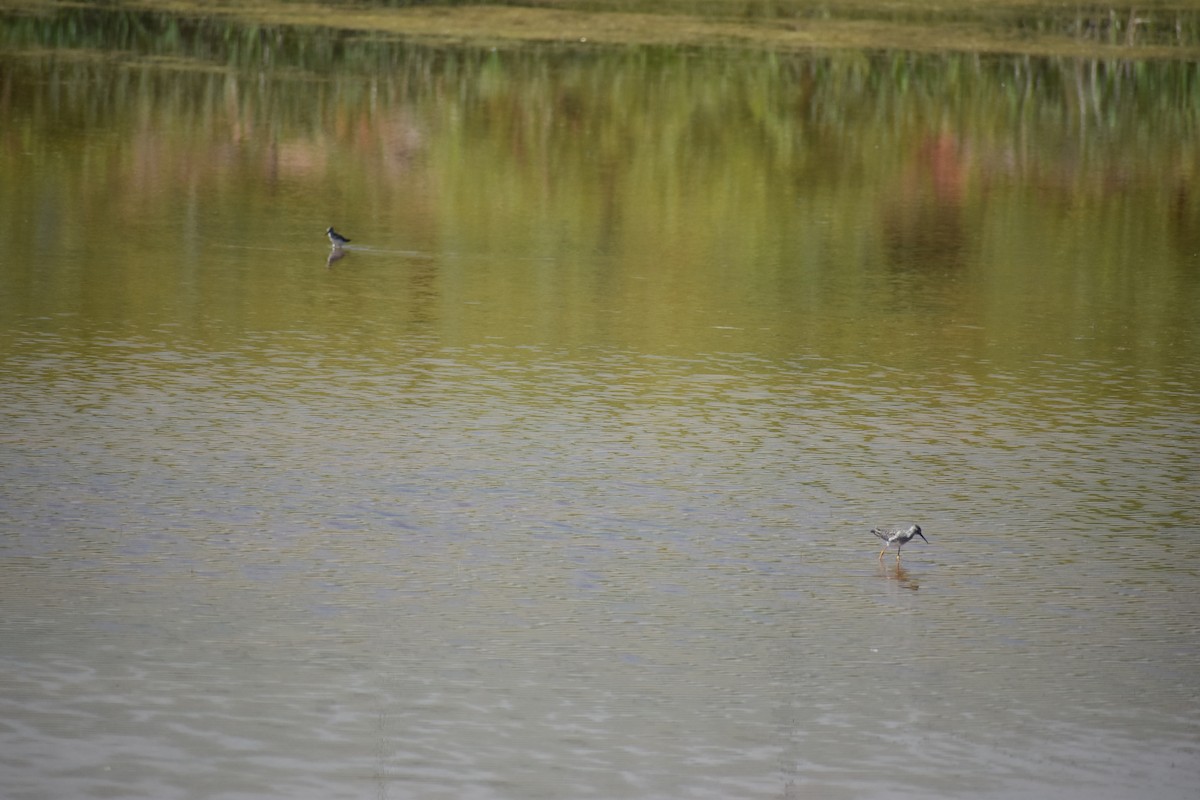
x=890 y=207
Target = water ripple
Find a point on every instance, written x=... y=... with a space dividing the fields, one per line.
x=493 y=573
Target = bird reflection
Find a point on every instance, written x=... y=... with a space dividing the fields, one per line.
x=336 y=254
x=898 y=574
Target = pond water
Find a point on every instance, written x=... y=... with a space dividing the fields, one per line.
x=557 y=482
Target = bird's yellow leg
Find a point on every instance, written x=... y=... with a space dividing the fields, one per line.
x=881 y=552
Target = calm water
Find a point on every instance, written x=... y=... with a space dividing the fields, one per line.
x=558 y=484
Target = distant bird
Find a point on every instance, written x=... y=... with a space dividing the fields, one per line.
x=898 y=534
x=335 y=238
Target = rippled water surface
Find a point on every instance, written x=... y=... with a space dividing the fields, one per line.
x=494 y=572
x=559 y=482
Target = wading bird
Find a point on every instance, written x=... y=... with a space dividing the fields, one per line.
x=898 y=534
x=335 y=238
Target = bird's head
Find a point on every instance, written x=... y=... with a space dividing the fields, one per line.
x=917 y=532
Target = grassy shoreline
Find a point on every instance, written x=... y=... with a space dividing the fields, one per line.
x=1148 y=31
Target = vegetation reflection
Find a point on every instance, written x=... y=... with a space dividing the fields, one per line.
x=758 y=176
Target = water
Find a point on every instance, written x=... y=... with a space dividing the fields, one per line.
x=559 y=482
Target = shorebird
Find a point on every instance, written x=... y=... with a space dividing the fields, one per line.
x=335 y=238
x=900 y=534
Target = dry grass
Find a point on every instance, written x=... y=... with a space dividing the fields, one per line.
x=915 y=25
